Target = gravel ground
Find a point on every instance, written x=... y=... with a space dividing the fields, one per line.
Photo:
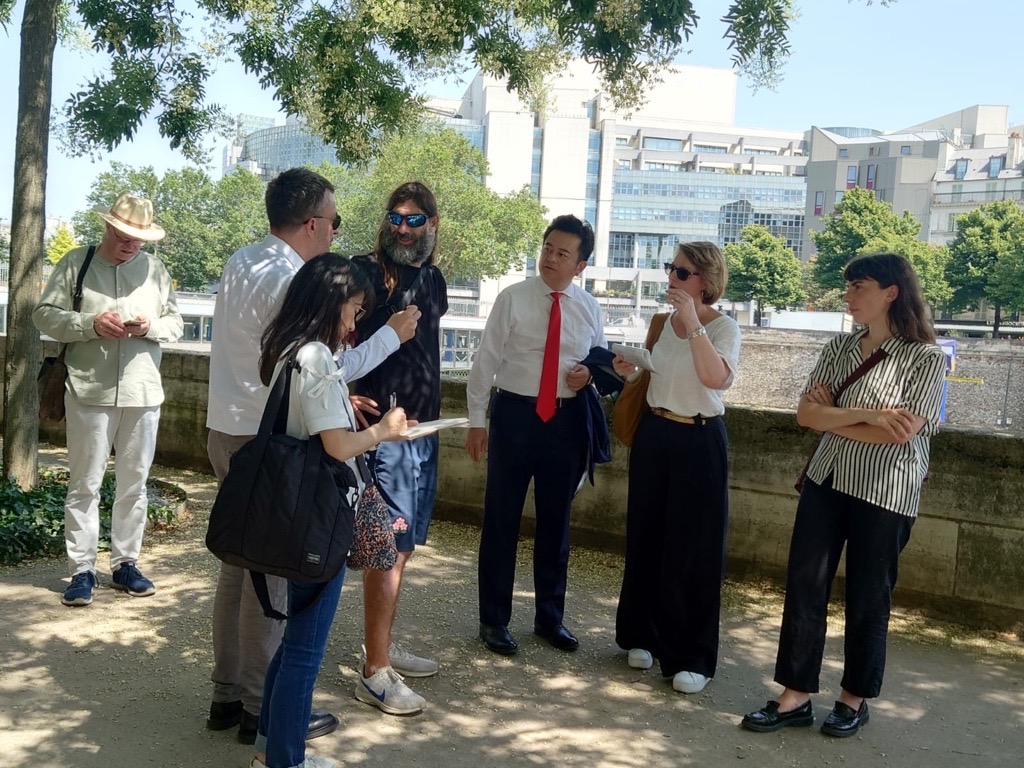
x=124 y=682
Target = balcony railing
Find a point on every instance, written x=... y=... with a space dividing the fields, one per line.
x=972 y=197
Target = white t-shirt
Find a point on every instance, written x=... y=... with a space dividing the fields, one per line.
x=318 y=399
x=675 y=386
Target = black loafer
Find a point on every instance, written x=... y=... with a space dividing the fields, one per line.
x=768 y=718
x=320 y=724
x=224 y=715
x=497 y=638
x=843 y=721
x=560 y=637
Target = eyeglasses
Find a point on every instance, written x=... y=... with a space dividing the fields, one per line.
x=127 y=240
x=335 y=222
x=681 y=272
x=360 y=313
x=414 y=220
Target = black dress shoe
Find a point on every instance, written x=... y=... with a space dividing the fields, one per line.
x=560 y=637
x=224 y=715
x=843 y=721
x=497 y=638
x=320 y=724
x=768 y=718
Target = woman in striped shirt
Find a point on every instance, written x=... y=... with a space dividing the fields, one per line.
x=862 y=489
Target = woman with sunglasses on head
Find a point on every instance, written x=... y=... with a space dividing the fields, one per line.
x=678 y=504
x=862 y=490
x=319 y=311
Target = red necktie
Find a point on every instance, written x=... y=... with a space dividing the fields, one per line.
x=549 y=373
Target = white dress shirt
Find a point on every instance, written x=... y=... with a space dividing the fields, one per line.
x=253 y=284
x=511 y=352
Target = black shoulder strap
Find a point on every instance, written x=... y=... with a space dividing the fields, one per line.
x=873 y=359
x=76 y=299
x=407 y=296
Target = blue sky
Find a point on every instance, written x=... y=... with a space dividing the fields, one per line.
x=852 y=64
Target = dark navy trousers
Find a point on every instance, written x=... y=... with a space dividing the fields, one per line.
x=522 y=448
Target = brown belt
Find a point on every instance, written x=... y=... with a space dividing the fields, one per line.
x=697 y=420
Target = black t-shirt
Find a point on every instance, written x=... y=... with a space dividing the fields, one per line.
x=413 y=373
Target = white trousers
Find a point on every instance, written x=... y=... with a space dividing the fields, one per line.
x=91 y=432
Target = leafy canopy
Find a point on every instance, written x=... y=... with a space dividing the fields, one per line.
x=860 y=225
x=763 y=269
x=354 y=69
x=986 y=255
x=63 y=240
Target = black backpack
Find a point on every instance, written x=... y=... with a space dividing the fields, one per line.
x=285 y=507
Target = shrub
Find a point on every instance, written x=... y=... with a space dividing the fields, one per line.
x=32 y=522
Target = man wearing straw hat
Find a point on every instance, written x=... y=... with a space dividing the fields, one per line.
x=113 y=390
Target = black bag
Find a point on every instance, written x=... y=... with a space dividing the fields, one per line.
x=53 y=373
x=283 y=508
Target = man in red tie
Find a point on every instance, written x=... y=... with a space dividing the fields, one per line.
x=536 y=335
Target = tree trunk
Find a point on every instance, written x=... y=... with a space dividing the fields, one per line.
x=28 y=219
x=998 y=319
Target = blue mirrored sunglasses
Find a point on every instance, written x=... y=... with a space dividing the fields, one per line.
x=414 y=220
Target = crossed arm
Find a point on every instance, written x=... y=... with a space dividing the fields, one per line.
x=866 y=425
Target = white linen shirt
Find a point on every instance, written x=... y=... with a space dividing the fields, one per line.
x=253 y=284
x=675 y=386
x=511 y=352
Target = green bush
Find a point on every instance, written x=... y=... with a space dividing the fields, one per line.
x=32 y=522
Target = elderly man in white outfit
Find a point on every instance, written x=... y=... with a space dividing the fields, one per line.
x=113 y=390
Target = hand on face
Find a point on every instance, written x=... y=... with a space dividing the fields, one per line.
x=683 y=303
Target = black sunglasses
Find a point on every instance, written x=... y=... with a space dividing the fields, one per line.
x=335 y=222
x=414 y=220
x=681 y=272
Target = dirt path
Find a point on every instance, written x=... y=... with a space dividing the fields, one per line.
x=124 y=682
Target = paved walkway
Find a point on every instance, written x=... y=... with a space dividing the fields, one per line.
x=124 y=682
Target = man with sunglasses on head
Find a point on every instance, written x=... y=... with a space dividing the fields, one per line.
x=303 y=220
x=536 y=336
x=112 y=305
x=404 y=272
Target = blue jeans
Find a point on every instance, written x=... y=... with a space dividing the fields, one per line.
x=291 y=676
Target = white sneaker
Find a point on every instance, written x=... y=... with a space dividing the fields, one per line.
x=689 y=682
x=640 y=659
x=311 y=761
x=409 y=664
x=386 y=690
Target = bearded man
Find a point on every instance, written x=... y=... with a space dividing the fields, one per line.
x=403 y=268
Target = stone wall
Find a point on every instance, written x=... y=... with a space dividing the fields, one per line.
x=966 y=556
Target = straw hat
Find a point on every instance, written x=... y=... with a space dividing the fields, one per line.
x=132 y=216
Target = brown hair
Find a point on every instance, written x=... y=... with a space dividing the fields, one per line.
x=710 y=264
x=420 y=194
x=907 y=315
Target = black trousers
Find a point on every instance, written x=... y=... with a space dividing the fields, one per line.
x=521 y=447
x=874 y=537
x=676 y=521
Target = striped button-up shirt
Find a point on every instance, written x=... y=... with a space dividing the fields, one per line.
x=887 y=475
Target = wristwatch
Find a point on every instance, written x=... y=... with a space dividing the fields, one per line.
x=700 y=330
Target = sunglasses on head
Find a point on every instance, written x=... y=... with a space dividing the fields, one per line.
x=414 y=220
x=681 y=272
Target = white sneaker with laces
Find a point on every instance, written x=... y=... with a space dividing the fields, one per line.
x=409 y=664
x=310 y=761
x=689 y=682
x=640 y=659
x=386 y=690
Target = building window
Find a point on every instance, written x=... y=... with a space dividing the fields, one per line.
x=958 y=193
x=624 y=164
x=879 y=195
x=905 y=149
x=844 y=152
x=669 y=145
x=839 y=196
x=662 y=167
x=995 y=166
x=870 y=184
x=819 y=202
x=960 y=169
x=851 y=176
x=951 y=226
x=622 y=141
x=873 y=151
x=764 y=152
x=710 y=149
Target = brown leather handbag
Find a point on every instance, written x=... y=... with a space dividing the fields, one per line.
x=53 y=373
x=631 y=404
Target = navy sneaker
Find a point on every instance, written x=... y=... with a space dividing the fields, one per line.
x=79 y=592
x=130 y=579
